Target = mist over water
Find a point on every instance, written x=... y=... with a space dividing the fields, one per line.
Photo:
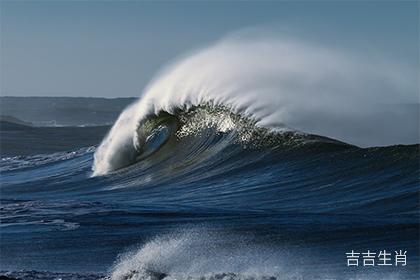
x=238 y=162
x=196 y=253
x=281 y=84
x=203 y=254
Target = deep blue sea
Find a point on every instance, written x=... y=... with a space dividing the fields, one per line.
x=207 y=203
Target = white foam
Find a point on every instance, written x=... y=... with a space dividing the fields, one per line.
x=276 y=81
x=196 y=253
x=201 y=254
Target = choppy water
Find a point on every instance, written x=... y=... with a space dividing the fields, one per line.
x=208 y=177
x=216 y=199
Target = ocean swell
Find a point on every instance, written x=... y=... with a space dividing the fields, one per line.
x=280 y=85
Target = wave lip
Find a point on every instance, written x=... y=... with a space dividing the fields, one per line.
x=275 y=83
x=201 y=129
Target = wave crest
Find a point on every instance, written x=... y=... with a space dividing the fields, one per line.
x=273 y=83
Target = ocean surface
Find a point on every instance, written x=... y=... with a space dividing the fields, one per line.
x=209 y=196
x=255 y=158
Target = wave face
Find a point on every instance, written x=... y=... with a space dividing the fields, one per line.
x=212 y=196
x=207 y=128
x=278 y=84
x=213 y=174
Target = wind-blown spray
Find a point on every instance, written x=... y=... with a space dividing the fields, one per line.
x=277 y=83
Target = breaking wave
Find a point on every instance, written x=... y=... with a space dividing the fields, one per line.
x=278 y=85
x=238 y=162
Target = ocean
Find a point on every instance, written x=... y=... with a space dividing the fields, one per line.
x=206 y=202
x=251 y=159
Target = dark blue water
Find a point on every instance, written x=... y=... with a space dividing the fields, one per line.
x=209 y=206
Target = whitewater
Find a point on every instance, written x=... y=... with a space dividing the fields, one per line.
x=250 y=159
x=280 y=84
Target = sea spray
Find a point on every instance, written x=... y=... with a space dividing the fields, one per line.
x=276 y=83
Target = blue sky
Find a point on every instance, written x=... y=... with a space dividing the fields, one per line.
x=113 y=48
